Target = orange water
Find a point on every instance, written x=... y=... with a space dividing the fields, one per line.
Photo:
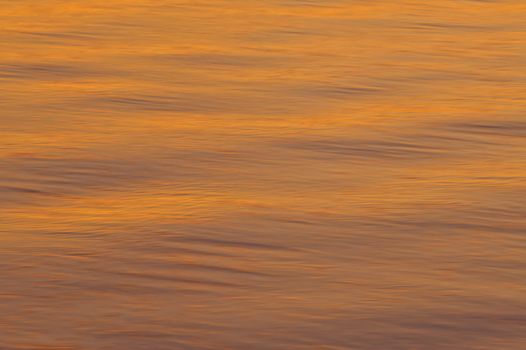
x=262 y=174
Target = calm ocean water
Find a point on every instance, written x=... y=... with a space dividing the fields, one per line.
x=262 y=175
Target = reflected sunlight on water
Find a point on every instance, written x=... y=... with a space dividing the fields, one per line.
x=271 y=174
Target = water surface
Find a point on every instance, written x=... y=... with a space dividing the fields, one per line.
x=262 y=174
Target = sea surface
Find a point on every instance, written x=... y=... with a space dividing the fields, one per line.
x=262 y=174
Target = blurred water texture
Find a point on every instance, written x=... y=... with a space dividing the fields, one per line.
x=262 y=174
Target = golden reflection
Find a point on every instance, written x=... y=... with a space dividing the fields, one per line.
x=293 y=174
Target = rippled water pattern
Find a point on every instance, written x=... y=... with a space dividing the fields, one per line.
x=262 y=174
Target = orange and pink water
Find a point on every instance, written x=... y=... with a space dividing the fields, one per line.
x=262 y=174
